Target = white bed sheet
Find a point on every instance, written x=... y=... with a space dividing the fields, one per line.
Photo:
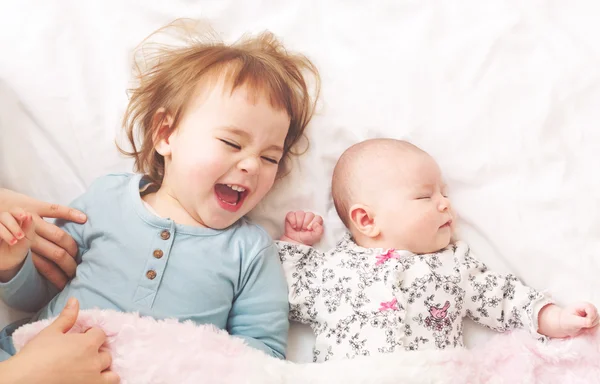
x=505 y=94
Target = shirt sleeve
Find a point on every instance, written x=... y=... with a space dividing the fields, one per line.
x=75 y=230
x=29 y=291
x=259 y=313
x=301 y=265
x=500 y=302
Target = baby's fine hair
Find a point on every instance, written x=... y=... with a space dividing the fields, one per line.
x=167 y=77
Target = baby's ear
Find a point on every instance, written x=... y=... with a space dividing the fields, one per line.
x=363 y=220
x=162 y=124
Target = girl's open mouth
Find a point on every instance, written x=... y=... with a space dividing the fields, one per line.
x=230 y=196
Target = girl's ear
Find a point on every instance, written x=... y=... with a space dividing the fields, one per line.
x=162 y=123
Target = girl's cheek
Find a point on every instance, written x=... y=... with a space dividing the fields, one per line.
x=266 y=186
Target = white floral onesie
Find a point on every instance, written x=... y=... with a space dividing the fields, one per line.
x=363 y=301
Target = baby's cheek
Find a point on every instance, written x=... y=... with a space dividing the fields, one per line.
x=454 y=216
x=427 y=224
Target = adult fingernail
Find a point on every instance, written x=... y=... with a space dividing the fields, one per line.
x=80 y=216
x=70 y=303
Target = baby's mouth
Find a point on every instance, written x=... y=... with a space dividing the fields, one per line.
x=447 y=224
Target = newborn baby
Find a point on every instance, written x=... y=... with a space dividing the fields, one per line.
x=398 y=280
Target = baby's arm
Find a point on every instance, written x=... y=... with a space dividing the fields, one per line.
x=259 y=313
x=301 y=263
x=502 y=302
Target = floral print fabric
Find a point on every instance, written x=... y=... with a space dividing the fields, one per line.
x=363 y=301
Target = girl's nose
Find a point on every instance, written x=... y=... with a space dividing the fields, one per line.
x=249 y=165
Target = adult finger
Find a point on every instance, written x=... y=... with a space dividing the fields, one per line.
x=58 y=211
x=110 y=377
x=55 y=254
x=67 y=317
x=50 y=271
x=96 y=335
x=55 y=235
x=105 y=360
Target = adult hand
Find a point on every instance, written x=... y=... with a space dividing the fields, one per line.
x=57 y=357
x=53 y=249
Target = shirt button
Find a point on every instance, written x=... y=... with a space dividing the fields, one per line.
x=165 y=235
x=157 y=253
x=151 y=274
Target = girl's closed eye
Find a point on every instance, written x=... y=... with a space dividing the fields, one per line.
x=229 y=143
x=270 y=160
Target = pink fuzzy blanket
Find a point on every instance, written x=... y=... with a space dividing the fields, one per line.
x=149 y=351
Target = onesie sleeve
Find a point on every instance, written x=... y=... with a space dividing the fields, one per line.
x=500 y=302
x=301 y=265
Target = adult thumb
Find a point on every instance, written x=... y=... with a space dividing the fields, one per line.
x=65 y=321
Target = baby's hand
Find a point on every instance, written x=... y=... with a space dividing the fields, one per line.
x=554 y=321
x=16 y=232
x=577 y=317
x=303 y=227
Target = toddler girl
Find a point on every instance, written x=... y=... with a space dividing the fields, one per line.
x=211 y=126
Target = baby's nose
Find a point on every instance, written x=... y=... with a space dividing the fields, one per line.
x=444 y=204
